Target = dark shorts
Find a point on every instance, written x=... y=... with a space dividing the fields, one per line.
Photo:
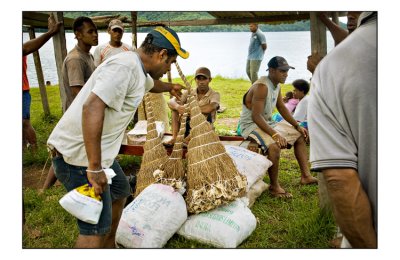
x=26 y=104
x=74 y=176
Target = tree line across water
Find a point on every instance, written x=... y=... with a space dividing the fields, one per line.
x=147 y=16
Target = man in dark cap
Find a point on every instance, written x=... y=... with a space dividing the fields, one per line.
x=256 y=123
x=208 y=102
x=88 y=137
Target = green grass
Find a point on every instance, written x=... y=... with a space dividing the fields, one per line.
x=295 y=223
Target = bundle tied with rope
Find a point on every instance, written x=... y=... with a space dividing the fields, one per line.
x=154 y=154
x=172 y=172
x=159 y=106
x=212 y=177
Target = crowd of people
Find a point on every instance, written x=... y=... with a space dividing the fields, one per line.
x=337 y=119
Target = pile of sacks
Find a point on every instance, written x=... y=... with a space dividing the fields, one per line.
x=159 y=211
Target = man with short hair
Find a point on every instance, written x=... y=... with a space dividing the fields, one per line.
x=114 y=46
x=78 y=65
x=256 y=122
x=207 y=98
x=88 y=137
x=257 y=48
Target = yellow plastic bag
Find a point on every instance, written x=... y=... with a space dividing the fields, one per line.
x=88 y=190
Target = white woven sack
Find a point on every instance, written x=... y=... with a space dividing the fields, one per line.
x=253 y=165
x=82 y=207
x=224 y=227
x=152 y=218
x=255 y=191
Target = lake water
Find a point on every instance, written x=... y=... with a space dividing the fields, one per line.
x=224 y=53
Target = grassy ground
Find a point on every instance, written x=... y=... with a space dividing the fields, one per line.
x=295 y=223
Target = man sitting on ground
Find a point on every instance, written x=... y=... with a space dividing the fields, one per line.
x=208 y=102
x=255 y=122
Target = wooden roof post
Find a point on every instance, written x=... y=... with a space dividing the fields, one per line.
x=39 y=73
x=335 y=17
x=318 y=35
x=60 y=52
x=134 y=28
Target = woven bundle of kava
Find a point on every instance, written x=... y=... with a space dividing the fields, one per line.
x=154 y=154
x=159 y=106
x=212 y=177
x=173 y=172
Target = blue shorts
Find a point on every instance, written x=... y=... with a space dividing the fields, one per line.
x=26 y=104
x=74 y=176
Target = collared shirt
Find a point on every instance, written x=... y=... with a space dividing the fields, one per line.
x=210 y=97
x=256 y=51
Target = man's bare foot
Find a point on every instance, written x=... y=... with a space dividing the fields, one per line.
x=308 y=180
x=279 y=193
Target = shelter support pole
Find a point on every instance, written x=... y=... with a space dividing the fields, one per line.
x=134 y=28
x=335 y=17
x=60 y=52
x=318 y=35
x=134 y=44
x=39 y=73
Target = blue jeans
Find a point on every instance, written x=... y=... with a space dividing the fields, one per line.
x=74 y=176
x=26 y=104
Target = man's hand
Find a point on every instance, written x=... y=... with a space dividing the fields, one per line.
x=280 y=140
x=312 y=62
x=53 y=26
x=176 y=91
x=98 y=181
x=303 y=132
x=181 y=109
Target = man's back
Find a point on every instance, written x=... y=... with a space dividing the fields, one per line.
x=349 y=116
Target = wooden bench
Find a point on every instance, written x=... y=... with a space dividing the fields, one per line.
x=137 y=149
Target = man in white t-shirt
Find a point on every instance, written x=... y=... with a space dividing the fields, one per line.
x=88 y=137
x=114 y=46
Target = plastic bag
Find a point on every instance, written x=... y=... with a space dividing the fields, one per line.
x=83 y=204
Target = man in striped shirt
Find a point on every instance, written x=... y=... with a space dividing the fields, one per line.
x=114 y=46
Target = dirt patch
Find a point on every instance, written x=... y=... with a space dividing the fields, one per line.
x=229 y=122
x=33 y=177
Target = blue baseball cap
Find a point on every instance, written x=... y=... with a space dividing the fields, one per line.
x=165 y=37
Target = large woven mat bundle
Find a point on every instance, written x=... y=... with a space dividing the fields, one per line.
x=159 y=106
x=172 y=172
x=154 y=154
x=212 y=177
